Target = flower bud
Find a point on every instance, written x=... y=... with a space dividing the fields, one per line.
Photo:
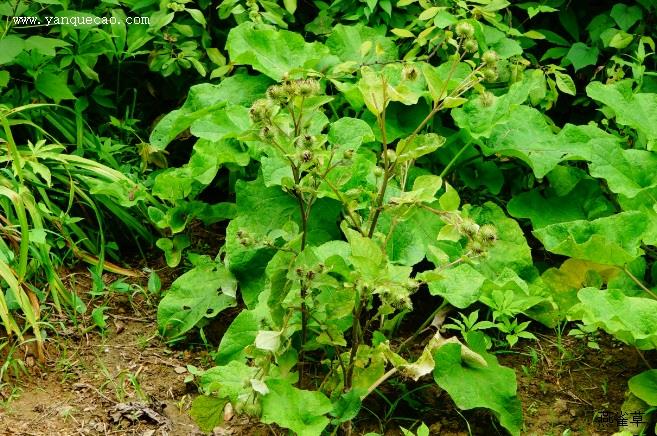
x=306 y=156
x=308 y=87
x=476 y=247
x=488 y=234
x=486 y=99
x=490 y=74
x=391 y=155
x=490 y=58
x=409 y=72
x=378 y=172
x=464 y=29
x=291 y=88
x=469 y=228
x=261 y=110
x=266 y=134
x=305 y=141
x=471 y=46
x=277 y=93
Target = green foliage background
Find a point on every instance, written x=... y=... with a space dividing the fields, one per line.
x=366 y=160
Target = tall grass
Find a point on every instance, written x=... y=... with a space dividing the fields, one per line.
x=53 y=204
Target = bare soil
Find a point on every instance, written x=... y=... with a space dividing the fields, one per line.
x=127 y=382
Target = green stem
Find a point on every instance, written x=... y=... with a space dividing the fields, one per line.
x=638 y=282
x=378 y=382
x=354 y=220
x=454 y=159
x=13 y=150
x=424 y=325
x=388 y=167
x=355 y=342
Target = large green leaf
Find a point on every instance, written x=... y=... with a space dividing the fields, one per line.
x=200 y=293
x=627 y=172
x=231 y=381
x=261 y=210
x=54 y=86
x=492 y=386
x=479 y=120
x=361 y=44
x=174 y=184
x=564 y=282
x=240 y=334
x=638 y=111
x=230 y=121
x=644 y=386
x=272 y=52
x=625 y=16
x=510 y=250
x=203 y=101
x=633 y=320
x=581 y=55
x=10 y=47
x=544 y=207
x=45 y=46
x=208 y=156
x=349 y=133
x=460 y=286
x=296 y=409
x=417 y=146
x=208 y=412
x=528 y=136
x=504 y=46
x=612 y=240
x=412 y=235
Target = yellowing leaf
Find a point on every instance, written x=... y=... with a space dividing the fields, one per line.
x=452 y=102
x=403 y=33
x=428 y=13
x=533 y=34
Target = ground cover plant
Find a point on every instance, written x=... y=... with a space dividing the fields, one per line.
x=372 y=198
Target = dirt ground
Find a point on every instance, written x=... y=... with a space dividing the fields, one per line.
x=127 y=382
